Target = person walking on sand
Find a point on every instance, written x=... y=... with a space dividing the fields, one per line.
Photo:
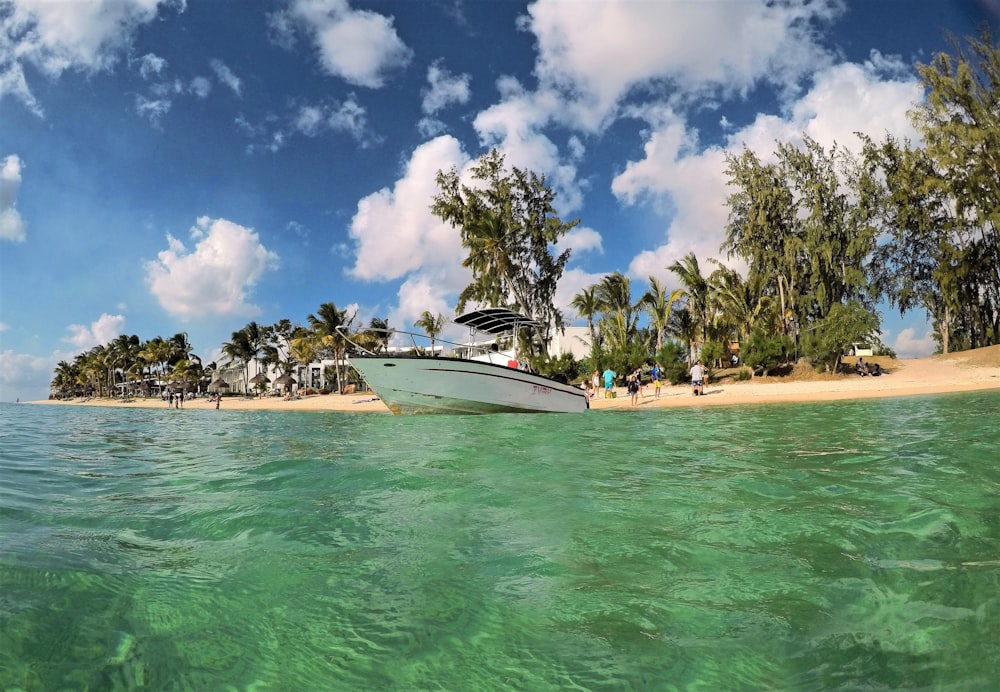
x=595 y=383
x=698 y=378
x=609 y=382
x=657 y=375
x=633 y=388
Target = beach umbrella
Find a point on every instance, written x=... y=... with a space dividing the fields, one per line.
x=219 y=384
x=259 y=379
x=285 y=380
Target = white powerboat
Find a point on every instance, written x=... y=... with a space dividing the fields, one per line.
x=485 y=380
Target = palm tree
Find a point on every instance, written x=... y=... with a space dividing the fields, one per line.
x=64 y=379
x=587 y=305
x=614 y=298
x=303 y=349
x=122 y=350
x=378 y=332
x=696 y=291
x=659 y=306
x=486 y=238
x=684 y=327
x=180 y=347
x=257 y=338
x=239 y=350
x=93 y=370
x=159 y=352
x=324 y=325
x=186 y=372
x=741 y=306
x=431 y=325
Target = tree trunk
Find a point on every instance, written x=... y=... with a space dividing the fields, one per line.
x=945 y=329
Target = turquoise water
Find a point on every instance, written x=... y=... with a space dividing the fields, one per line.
x=844 y=545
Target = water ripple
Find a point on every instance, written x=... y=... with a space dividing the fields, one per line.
x=841 y=545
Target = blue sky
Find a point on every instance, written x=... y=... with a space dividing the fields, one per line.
x=171 y=166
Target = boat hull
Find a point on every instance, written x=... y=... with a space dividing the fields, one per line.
x=450 y=385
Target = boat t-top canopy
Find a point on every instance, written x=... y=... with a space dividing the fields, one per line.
x=495 y=320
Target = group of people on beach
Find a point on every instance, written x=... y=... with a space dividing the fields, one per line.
x=634 y=383
x=864 y=369
x=177 y=400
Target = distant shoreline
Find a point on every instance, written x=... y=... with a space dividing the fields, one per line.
x=959 y=372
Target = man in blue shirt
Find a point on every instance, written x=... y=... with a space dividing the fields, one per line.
x=609 y=382
x=657 y=375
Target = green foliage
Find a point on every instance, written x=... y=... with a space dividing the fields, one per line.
x=712 y=353
x=918 y=226
x=431 y=324
x=626 y=359
x=564 y=365
x=846 y=324
x=942 y=202
x=884 y=350
x=672 y=357
x=508 y=225
x=797 y=228
x=743 y=374
x=764 y=351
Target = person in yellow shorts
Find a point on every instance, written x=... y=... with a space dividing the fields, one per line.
x=657 y=375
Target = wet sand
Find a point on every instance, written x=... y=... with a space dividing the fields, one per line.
x=959 y=372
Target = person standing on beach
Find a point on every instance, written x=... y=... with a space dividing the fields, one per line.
x=595 y=383
x=609 y=382
x=633 y=388
x=657 y=375
x=698 y=378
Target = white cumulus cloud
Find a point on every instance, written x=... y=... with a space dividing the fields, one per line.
x=347 y=117
x=58 y=36
x=23 y=375
x=443 y=89
x=151 y=65
x=359 y=46
x=679 y=174
x=12 y=226
x=594 y=53
x=580 y=239
x=394 y=229
x=103 y=330
x=909 y=345
x=216 y=276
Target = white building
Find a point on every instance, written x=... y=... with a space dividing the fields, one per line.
x=575 y=341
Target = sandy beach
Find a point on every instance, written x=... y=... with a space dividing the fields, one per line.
x=957 y=372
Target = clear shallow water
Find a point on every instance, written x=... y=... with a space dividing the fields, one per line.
x=841 y=545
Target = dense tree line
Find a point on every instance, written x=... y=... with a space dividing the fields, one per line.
x=110 y=368
x=128 y=365
x=826 y=236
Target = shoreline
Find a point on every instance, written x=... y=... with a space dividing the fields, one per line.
x=958 y=372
